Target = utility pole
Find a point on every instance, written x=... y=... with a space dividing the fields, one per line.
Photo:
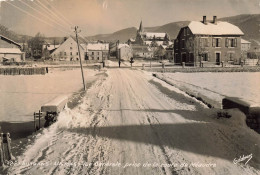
x=76 y=31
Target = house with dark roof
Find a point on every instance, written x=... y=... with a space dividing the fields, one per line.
x=10 y=50
x=208 y=41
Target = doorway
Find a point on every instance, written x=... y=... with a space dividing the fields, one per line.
x=218 y=58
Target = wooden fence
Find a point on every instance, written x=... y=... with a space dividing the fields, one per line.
x=23 y=70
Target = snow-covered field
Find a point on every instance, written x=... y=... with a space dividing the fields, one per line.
x=132 y=123
x=22 y=95
x=245 y=85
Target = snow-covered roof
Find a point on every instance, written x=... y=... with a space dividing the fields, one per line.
x=244 y=41
x=220 y=28
x=98 y=46
x=156 y=35
x=122 y=45
x=9 y=40
x=10 y=50
x=51 y=46
x=148 y=42
x=132 y=40
x=138 y=48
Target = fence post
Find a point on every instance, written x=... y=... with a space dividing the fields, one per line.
x=222 y=63
x=34 y=121
x=39 y=119
x=8 y=141
x=183 y=64
x=1 y=151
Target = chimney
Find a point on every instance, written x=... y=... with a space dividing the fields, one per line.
x=204 y=19
x=214 y=19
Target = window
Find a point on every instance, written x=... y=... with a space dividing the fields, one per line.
x=187 y=31
x=98 y=58
x=92 y=53
x=216 y=42
x=205 y=57
x=70 y=53
x=64 y=53
x=231 y=42
x=204 y=42
x=98 y=53
x=184 y=32
x=77 y=53
x=183 y=43
x=176 y=41
x=70 y=48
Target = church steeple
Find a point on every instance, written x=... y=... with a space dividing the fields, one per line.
x=141 y=27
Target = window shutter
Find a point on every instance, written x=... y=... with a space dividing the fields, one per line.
x=235 y=42
x=220 y=42
x=214 y=42
x=226 y=42
x=208 y=56
x=208 y=42
x=201 y=42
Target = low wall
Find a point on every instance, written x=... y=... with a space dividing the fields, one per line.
x=204 y=69
x=23 y=70
x=251 y=111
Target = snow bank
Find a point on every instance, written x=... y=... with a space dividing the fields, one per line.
x=209 y=97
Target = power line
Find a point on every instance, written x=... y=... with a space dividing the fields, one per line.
x=43 y=14
x=51 y=12
x=35 y=17
x=60 y=14
x=48 y=12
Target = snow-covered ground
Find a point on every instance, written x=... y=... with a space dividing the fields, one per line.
x=244 y=85
x=22 y=95
x=133 y=123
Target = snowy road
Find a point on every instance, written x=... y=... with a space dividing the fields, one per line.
x=130 y=123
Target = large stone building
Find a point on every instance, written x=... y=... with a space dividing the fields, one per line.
x=68 y=51
x=10 y=50
x=208 y=41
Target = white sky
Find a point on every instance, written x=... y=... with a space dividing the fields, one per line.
x=107 y=16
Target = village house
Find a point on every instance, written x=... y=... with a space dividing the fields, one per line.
x=48 y=49
x=245 y=45
x=124 y=52
x=97 y=51
x=10 y=50
x=142 y=51
x=208 y=41
x=68 y=51
x=169 y=52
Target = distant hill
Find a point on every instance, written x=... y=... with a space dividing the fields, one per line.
x=248 y=23
x=121 y=35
